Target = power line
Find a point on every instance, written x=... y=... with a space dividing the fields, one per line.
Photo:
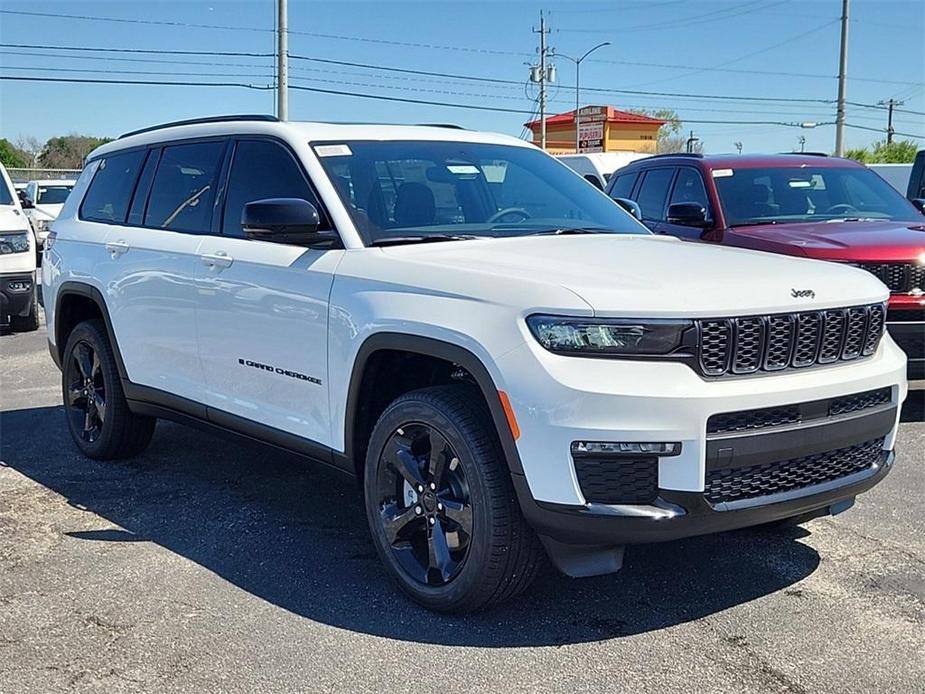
x=319 y=90
x=159 y=83
x=680 y=22
x=128 y=72
x=752 y=54
x=313 y=34
x=493 y=80
x=468 y=49
x=882 y=130
x=158 y=51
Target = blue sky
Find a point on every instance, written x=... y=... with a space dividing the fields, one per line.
x=736 y=48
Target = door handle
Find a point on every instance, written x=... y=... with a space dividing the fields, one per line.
x=217 y=260
x=117 y=248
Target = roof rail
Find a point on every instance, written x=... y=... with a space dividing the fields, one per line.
x=452 y=126
x=692 y=155
x=808 y=154
x=196 y=121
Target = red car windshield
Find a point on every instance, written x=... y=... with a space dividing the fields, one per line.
x=793 y=195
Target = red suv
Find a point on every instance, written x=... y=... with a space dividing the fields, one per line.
x=807 y=205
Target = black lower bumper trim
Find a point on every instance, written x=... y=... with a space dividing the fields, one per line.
x=19 y=302
x=683 y=514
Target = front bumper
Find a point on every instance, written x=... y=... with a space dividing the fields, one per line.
x=15 y=301
x=558 y=400
x=676 y=515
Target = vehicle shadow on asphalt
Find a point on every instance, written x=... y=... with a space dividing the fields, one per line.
x=296 y=537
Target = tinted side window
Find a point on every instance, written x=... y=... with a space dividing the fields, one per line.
x=688 y=187
x=184 y=187
x=260 y=170
x=653 y=193
x=623 y=185
x=108 y=196
x=137 y=212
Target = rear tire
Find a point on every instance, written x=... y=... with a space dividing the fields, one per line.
x=97 y=413
x=28 y=323
x=461 y=544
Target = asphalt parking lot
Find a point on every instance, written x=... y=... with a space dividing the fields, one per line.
x=219 y=565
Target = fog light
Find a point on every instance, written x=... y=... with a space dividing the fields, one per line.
x=594 y=448
x=19 y=286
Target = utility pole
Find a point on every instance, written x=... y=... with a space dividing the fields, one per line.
x=690 y=142
x=282 y=66
x=842 y=75
x=889 y=119
x=542 y=77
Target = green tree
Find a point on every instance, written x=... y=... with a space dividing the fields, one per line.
x=896 y=152
x=882 y=152
x=69 y=151
x=670 y=136
x=11 y=156
x=861 y=154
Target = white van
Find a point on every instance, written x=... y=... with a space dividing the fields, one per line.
x=18 y=300
x=596 y=167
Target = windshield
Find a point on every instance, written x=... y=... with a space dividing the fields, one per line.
x=53 y=195
x=407 y=191
x=794 y=195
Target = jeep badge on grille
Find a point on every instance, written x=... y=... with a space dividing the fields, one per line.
x=801 y=293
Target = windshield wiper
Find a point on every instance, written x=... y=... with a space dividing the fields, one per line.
x=759 y=223
x=567 y=231
x=423 y=238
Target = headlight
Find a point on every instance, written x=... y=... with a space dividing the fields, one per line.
x=604 y=336
x=14 y=242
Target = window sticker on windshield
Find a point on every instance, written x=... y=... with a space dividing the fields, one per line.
x=463 y=169
x=333 y=151
x=722 y=173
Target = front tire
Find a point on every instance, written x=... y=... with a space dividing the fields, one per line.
x=440 y=504
x=97 y=413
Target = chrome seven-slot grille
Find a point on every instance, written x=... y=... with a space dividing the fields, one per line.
x=788 y=340
x=899 y=277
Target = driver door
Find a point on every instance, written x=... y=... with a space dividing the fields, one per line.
x=263 y=306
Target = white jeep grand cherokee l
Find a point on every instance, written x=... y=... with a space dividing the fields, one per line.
x=509 y=363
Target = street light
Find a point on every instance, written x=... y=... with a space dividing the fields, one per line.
x=577 y=62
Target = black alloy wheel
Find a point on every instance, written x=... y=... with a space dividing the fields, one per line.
x=440 y=503
x=99 y=418
x=424 y=504
x=85 y=392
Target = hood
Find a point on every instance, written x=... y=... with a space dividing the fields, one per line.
x=11 y=219
x=643 y=275
x=873 y=241
x=50 y=212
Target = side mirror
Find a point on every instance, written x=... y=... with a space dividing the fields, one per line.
x=280 y=220
x=630 y=206
x=688 y=214
x=24 y=200
x=919 y=204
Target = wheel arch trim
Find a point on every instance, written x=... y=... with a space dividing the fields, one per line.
x=88 y=291
x=430 y=347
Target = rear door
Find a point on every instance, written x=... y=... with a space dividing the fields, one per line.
x=263 y=306
x=154 y=260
